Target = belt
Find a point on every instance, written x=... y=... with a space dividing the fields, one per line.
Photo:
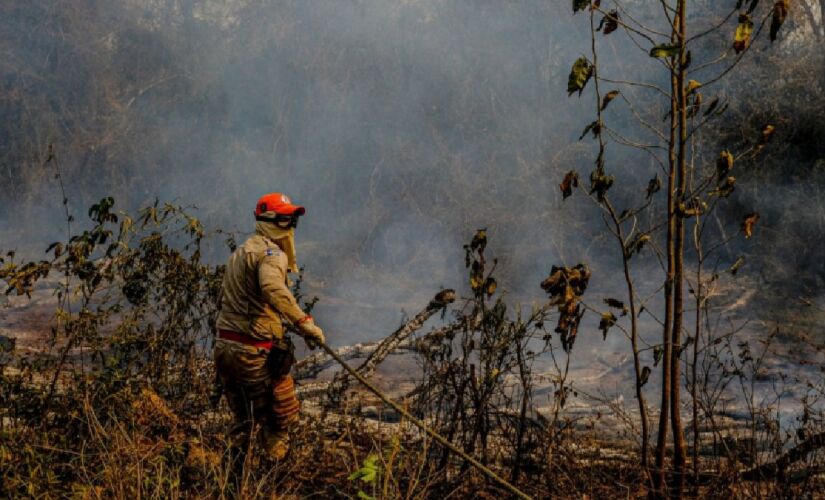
x=245 y=339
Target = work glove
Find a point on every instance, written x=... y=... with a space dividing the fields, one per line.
x=311 y=333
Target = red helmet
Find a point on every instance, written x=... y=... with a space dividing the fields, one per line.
x=278 y=203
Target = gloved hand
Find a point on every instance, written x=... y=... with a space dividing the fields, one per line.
x=311 y=332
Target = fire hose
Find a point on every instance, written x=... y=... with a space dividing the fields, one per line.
x=421 y=425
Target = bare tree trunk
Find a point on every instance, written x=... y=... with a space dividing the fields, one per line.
x=661 y=438
x=526 y=384
x=679 y=453
x=696 y=335
x=637 y=365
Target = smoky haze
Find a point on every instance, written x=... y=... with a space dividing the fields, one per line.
x=402 y=126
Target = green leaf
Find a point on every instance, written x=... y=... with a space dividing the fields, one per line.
x=368 y=472
x=365 y=496
x=665 y=50
x=580 y=74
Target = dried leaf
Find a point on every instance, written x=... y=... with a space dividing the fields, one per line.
x=639 y=241
x=571 y=180
x=736 y=266
x=693 y=207
x=476 y=276
x=653 y=186
x=767 y=133
x=724 y=164
x=617 y=304
x=692 y=86
x=490 y=286
x=51 y=247
x=658 y=351
x=742 y=37
x=712 y=106
x=665 y=50
x=600 y=183
x=607 y=320
x=748 y=224
x=725 y=188
x=644 y=376
x=565 y=285
x=695 y=105
x=479 y=241
x=580 y=5
x=780 y=12
x=594 y=127
x=610 y=22
x=609 y=97
x=443 y=298
x=580 y=74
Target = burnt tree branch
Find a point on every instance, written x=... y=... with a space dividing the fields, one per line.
x=386 y=346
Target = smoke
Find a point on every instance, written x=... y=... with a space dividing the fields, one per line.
x=402 y=126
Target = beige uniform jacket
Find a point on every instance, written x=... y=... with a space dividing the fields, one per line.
x=255 y=292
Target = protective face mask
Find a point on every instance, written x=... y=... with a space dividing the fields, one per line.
x=284 y=238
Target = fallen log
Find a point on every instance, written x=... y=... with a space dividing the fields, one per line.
x=311 y=366
x=386 y=346
x=795 y=454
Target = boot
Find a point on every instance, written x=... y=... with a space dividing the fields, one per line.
x=276 y=444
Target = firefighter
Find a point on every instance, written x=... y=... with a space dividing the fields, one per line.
x=253 y=354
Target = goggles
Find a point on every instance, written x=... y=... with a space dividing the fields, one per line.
x=282 y=221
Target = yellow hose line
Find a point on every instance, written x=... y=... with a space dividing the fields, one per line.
x=438 y=437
